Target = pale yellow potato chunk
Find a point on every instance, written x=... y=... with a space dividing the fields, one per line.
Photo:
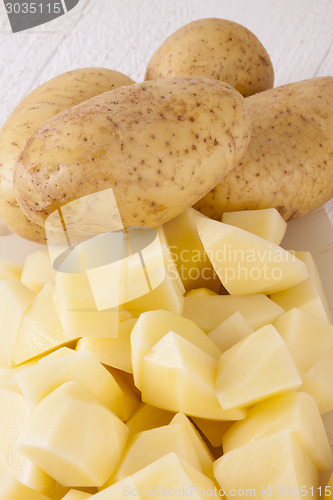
x=148 y=417
x=37 y=271
x=148 y=446
x=169 y=294
x=246 y=263
x=308 y=295
x=296 y=413
x=256 y=368
x=76 y=495
x=209 y=312
x=169 y=472
x=153 y=325
x=230 y=331
x=15 y=299
x=204 y=455
x=40 y=379
x=307 y=337
x=76 y=305
x=112 y=352
x=133 y=268
x=318 y=382
x=10 y=270
x=14 y=413
x=75 y=455
x=266 y=223
x=123 y=265
x=41 y=329
x=193 y=264
x=8 y=380
x=12 y=489
x=177 y=375
x=269 y=467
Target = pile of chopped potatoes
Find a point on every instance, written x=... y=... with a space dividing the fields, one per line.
x=183 y=388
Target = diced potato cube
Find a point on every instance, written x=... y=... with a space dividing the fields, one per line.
x=153 y=325
x=76 y=495
x=76 y=305
x=4 y=371
x=193 y=264
x=40 y=379
x=37 y=271
x=256 y=368
x=14 y=413
x=270 y=467
x=308 y=295
x=10 y=270
x=12 y=489
x=179 y=376
x=318 y=382
x=307 y=337
x=168 y=295
x=266 y=223
x=209 y=312
x=148 y=417
x=15 y=299
x=8 y=380
x=230 y=331
x=246 y=263
x=147 y=446
x=174 y=474
x=73 y=437
x=167 y=475
x=295 y=412
x=112 y=352
x=130 y=396
x=204 y=455
x=41 y=329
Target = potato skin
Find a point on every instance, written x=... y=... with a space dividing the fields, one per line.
x=161 y=145
x=215 y=48
x=288 y=163
x=52 y=97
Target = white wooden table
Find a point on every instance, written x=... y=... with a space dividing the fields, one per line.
x=123 y=34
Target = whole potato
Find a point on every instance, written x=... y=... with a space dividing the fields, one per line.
x=288 y=163
x=160 y=145
x=215 y=48
x=46 y=101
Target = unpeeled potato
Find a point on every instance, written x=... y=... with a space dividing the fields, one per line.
x=214 y=48
x=288 y=163
x=56 y=95
x=160 y=145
